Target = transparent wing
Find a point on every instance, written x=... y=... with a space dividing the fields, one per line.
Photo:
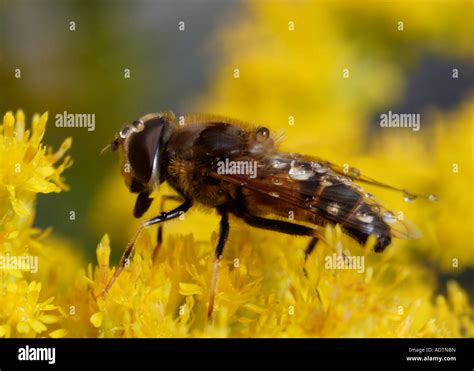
x=323 y=189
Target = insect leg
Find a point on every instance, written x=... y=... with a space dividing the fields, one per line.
x=159 y=234
x=288 y=228
x=310 y=247
x=164 y=216
x=280 y=226
x=223 y=234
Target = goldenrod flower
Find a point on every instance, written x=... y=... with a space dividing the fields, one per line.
x=26 y=316
x=263 y=291
x=27 y=168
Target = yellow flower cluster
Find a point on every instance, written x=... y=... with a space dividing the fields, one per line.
x=264 y=292
x=26 y=168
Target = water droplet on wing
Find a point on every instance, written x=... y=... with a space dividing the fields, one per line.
x=279 y=164
x=345 y=180
x=319 y=168
x=355 y=173
x=325 y=181
x=364 y=217
x=333 y=208
x=432 y=198
x=300 y=171
x=408 y=197
x=388 y=217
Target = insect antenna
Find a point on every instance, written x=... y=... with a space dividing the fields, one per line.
x=105 y=149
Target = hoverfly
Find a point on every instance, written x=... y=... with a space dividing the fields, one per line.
x=237 y=169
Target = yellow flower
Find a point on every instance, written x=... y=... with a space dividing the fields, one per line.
x=26 y=316
x=263 y=292
x=27 y=168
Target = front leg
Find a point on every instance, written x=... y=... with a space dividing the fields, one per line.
x=159 y=234
x=163 y=217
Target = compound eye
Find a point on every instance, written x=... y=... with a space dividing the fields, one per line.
x=262 y=134
x=144 y=147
